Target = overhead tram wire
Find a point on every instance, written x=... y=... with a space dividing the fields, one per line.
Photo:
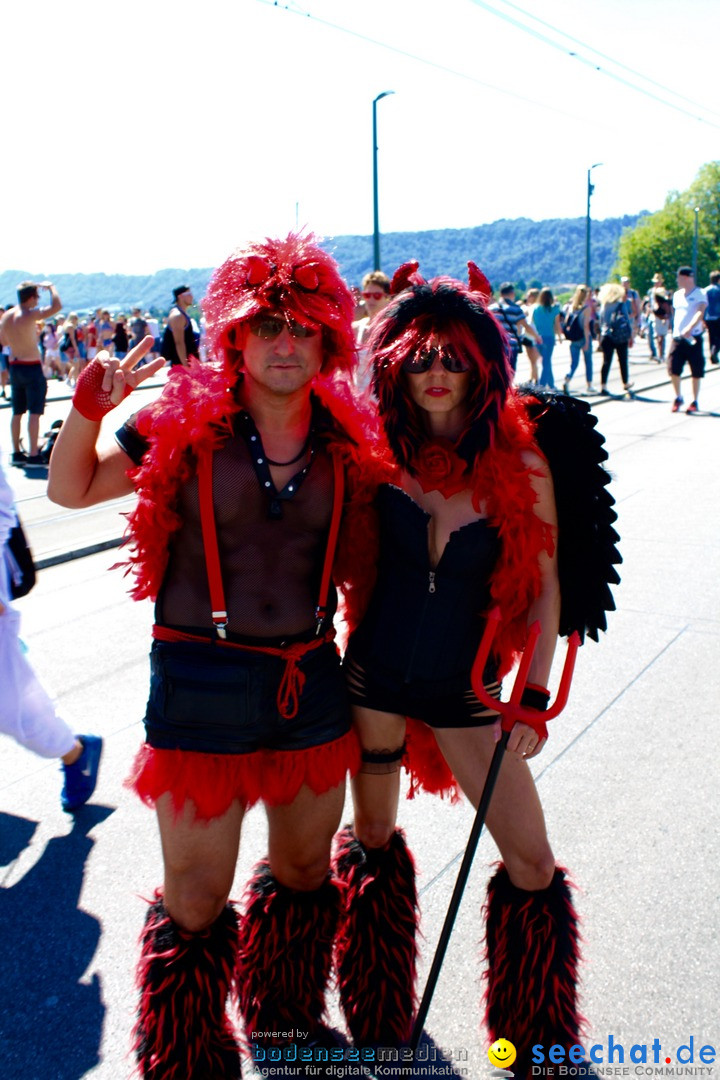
x=591 y=63
x=612 y=60
x=293 y=9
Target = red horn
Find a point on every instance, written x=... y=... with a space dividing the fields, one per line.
x=478 y=282
x=404 y=276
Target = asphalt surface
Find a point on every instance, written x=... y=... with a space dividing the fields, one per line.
x=629 y=782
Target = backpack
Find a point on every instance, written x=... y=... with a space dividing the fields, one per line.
x=50 y=440
x=618 y=329
x=573 y=326
x=19 y=562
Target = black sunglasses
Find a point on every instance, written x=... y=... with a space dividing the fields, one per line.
x=268 y=327
x=417 y=363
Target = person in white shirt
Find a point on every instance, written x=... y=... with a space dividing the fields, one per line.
x=689 y=306
x=27 y=712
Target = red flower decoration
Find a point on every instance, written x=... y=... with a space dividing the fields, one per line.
x=259 y=270
x=439 y=468
x=307 y=277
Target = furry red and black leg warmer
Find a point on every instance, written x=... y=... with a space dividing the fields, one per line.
x=182 y=1031
x=532 y=953
x=285 y=957
x=375 y=950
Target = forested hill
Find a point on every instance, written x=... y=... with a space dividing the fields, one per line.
x=528 y=252
x=548 y=252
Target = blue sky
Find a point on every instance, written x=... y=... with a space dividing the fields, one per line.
x=151 y=134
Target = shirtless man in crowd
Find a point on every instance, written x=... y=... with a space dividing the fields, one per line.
x=28 y=387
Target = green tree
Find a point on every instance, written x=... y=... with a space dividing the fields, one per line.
x=664 y=240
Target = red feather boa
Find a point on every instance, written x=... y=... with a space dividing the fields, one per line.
x=194 y=413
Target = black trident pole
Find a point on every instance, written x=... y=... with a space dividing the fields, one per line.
x=456 y=898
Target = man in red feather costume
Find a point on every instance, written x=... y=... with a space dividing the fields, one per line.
x=254 y=502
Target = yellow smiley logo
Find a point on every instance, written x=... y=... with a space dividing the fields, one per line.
x=502 y=1053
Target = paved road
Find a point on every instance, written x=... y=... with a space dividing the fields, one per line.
x=629 y=781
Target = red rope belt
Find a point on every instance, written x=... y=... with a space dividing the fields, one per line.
x=293 y=679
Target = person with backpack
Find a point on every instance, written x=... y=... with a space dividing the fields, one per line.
x=616 y=332
x=513 y=320
x=578 y=331
x=180 y=341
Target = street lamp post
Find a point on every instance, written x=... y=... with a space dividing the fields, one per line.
x=590 y=189
x=376 y=216
x=695 y=243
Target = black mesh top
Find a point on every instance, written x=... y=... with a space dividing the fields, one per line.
x=271 y=550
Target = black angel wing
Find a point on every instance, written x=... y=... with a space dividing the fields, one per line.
x=587 y=545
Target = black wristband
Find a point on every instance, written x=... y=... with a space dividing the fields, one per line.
x=535 y=698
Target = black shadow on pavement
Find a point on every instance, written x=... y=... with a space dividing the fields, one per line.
x=38 y=473
x=50 y=1021
x=15 y=835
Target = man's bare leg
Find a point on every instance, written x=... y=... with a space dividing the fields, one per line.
x=189 y=945
x=290 y=922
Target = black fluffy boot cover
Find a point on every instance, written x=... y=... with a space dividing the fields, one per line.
x=375 y=950
x=285 y=957
x=182 y=1030
x=532 y=954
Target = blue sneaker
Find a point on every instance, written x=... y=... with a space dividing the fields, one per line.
x=81 y=776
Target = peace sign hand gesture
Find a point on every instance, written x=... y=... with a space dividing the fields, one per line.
x=106 y=381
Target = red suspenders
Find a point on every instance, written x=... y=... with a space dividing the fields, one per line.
x=292 y=681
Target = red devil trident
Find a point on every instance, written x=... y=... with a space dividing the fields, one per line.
x=511 y=712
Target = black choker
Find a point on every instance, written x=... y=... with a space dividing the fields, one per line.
x=302 y=453
x=261 y=464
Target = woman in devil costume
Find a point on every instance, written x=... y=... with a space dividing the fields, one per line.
x=468 y=522
x=254 y=501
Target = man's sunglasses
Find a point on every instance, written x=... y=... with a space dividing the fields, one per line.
x=417 y=363
x=371 y=295
x=268 y=327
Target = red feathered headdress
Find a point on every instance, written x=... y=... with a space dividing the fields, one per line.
x=293 y=275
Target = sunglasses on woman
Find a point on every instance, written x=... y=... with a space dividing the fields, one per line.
x=268 y=327
x=370 y=294
x=417 y=363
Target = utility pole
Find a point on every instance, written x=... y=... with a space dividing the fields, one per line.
x=376 y=213
x=590 y=189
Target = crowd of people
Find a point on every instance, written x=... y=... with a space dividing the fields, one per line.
x=535 y=324
x=373 y=461
x=608 y=320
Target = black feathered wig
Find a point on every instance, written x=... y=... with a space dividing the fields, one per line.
x=441 y=308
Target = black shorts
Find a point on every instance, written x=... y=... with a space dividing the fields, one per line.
x=444 y=704
x=683 y=350
x=216 y=700
x=28 y=387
